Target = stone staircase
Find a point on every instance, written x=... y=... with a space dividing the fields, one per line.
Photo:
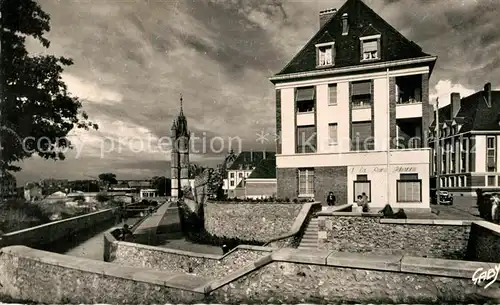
x=310 y=239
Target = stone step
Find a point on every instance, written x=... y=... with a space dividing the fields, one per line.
x=309 y=244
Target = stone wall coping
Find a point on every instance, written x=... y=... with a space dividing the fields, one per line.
x=328 y=210
x=189 y=253
x=437 y=222
x=298 y=223
x=255 y=202
x=185 y=282
x=493 y=228
x=352 y=214
x=442 y=267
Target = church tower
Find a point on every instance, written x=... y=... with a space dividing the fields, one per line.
x=180 y=154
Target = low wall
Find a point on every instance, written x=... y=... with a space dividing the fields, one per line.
x=250 y=221
x=294 y=276
x=285 y=276
x=172 y=260
x=44 y=277
x=354 y=232
x=484 y=242
x=54 y=231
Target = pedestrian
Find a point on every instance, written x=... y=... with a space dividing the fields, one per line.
x=359 y=204
x=366 y=208
x=330 y=199
x=126 y=233
x=495 y=205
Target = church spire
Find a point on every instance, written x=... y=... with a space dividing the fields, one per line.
x=181 y=113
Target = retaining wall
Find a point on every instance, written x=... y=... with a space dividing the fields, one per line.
x=285 y=276
x=57 y=230
x=484 y=242
x=369 y=232
x=250 y=221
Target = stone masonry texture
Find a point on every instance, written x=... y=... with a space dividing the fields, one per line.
x=39 y=282
x=282 y=282
x=367 y=234
x=484 y=245
x=392 y=110
x=330 y=179
x=209 y=268
x=287 y=182
x=259 y=222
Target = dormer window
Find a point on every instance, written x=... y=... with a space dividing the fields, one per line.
x=370 y=48
x=325 y=54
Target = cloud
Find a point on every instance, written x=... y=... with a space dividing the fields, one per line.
x=133 y=59
x=91 y=91
x=443 y=90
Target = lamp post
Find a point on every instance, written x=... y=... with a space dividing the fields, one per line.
x=437 y=148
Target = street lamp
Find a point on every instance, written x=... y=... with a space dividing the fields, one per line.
x=437 y=148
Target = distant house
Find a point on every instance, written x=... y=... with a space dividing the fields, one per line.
x=241 y=168
x=262 y=181
x=8 y=185
x=120 y=187
x=469 y=133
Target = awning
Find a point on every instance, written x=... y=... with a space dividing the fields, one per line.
x=361 y=88
x=305 y=94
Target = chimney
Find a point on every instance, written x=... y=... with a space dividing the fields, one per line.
x=345 y=24
x=251 y=156
x=325 y=16
x=455 y=104
x=264 y=155
x=487 y=94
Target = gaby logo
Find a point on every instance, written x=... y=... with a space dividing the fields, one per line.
x=482 y=275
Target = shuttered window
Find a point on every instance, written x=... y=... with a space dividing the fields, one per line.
x=332 y=94
x=409 y=188
x=361 y=96
x=361 y=137
x=306 y=182
x=332 y=134
x=305 y=99
x=370 y=49
x=306 y=139
x=491 y=154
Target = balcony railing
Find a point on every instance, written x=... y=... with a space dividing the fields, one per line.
x=361 y=104
x=402 y=101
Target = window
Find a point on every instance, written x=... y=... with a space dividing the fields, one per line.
x=306 y=182
x=362 y=185
x=306 y=139
x=332 y=134
x=232 y=175
x=232 y=183
x=240 y=175
x=409 y=188
x=491 y=180
x=361 y=94
x=463 y=156
x=361 y=136
x=325 y=54
x=491 y=154
x=370 y=48
x=305 y=98
x=332 y=94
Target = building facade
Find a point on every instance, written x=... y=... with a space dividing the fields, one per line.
x=469 y=135
x=352 y=111
x=179 y=166
x=240 y=168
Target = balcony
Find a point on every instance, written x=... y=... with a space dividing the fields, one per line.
x=408 y=96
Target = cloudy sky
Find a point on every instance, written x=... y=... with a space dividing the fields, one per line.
x=133 y=59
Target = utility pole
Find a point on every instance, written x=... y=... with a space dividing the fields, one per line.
x=437 y=148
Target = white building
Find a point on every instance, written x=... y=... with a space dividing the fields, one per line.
x=469 y=130
x=241 y=168
x=350 y=108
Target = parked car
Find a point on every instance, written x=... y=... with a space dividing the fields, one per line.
x=445 y=198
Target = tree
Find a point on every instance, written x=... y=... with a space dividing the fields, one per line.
x=37 y=111
x=162 y=185
x=108 y=178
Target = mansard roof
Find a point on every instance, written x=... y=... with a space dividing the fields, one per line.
x=363 y=21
